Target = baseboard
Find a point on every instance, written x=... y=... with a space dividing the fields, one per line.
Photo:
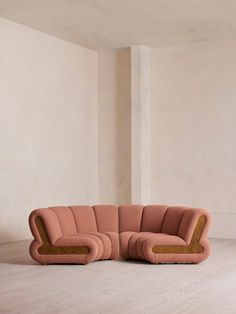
x=223 y=225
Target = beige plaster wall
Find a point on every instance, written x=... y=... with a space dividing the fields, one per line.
x=48 y=125
x=193 y=122
x=114 y=126
x=66 y=117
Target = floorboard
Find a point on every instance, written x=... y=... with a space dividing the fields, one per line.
x=115 y=287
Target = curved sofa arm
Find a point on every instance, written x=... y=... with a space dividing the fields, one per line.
x=45 y=226
x=194 y=225
x=85 y=252
x=193 y=230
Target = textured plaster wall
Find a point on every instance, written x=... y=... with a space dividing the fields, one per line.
x=66 y=117
x=48 y=125
x=140 y=122
x=193 y=137
x=114 y=126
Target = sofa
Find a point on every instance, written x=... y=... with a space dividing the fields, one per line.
x=154 y=233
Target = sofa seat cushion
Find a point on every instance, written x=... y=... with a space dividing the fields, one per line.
x=100 y=243
x=115 y=244
x=125 y=238
x=134 y=244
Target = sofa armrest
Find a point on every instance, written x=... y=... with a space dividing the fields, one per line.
x=45 y=226
x=194 y=225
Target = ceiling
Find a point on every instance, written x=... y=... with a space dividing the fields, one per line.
x=107 y=24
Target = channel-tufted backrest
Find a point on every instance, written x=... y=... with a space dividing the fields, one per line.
x=130 y=217
x=106 y=218
x=66 y=220
x=145 y=218
x=173 y=220
x=152 y=218
x=61 y=221
x=85 y=219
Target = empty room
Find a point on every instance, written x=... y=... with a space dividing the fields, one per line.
x=118 y=157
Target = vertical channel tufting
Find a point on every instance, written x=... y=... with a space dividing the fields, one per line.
x=185 y=210
x=130 y=217
x=85 y=220
x=106 y=217
x=95 y=218
x=172 y=219
x=50 y=208
x=152 y=218
x=66 y=220
x=163 y=219
x=141 y=220
x=72 y=212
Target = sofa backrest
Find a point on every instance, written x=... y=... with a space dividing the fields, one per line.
x=152 y=218
x=63 y=221
x=84 y=219
x=173 y=220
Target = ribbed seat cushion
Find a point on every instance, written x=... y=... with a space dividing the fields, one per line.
x=124 y=243
x=115 y=244
x=102 y=242
x=127 y=243
x=145 y=244
x=131 y=243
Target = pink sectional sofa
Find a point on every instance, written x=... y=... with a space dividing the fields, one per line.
x=155 y=233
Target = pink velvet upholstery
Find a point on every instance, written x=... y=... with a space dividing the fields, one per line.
x=84 y=219
x=50 y=221
x=106 y=218
x=189 y=221
x=161 y=226
x=130 y=231
x=130 y=217
x=152 y=218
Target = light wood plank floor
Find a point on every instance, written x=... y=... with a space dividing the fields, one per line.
x=118 y=286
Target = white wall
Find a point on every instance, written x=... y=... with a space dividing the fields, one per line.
x=193 y=128
x=48 y=125
x=65 y=127
x=114 y=126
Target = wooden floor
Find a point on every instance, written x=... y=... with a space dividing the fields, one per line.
x=118 y=286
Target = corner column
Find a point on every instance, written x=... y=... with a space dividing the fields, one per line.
x=140 y=125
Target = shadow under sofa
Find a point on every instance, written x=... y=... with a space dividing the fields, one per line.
x=154 y=233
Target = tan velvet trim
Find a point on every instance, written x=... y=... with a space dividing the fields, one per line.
x=47 y=248
x=193 y=247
